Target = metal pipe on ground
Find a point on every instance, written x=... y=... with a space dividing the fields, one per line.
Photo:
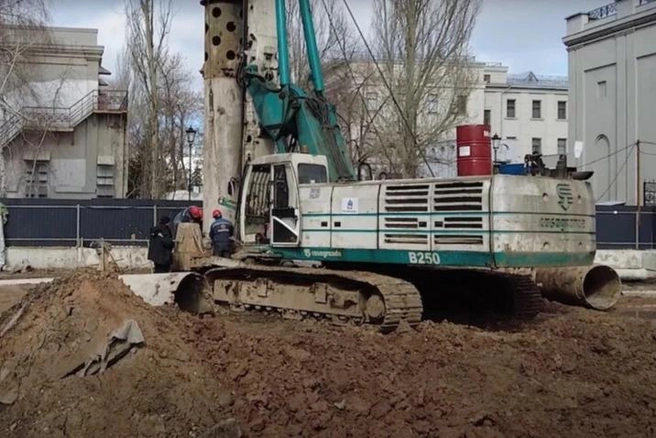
x=597 y=287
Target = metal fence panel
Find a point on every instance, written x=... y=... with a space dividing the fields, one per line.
x=53 y=222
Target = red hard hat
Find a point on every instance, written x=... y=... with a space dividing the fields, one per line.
x=196 y=212
x=216 y=214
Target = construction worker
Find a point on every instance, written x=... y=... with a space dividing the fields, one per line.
x=221 y=232
x=190 y=214
x=160 y=246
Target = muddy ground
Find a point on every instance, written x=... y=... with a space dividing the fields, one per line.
x=571 y=372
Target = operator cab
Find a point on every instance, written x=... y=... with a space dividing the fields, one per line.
x=269 y=208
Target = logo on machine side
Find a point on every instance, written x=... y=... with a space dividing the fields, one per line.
x=565 y=196
x=323 y=254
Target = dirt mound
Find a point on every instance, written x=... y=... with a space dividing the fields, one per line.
x=571 y=373
x=52 y=354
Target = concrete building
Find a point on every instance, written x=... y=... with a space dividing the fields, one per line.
x=64 y=135
x=612 y=71
x=528 y=112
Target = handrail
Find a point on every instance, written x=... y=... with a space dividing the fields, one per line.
x=62 y=117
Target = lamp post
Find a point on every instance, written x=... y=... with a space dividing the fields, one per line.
x=495 y=145
x=191 y=136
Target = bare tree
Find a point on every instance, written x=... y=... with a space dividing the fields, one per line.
x=21 y=30
x=423 y=47
x=331 y=28
x=148 y=24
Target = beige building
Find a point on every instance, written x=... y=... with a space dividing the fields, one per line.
x=612 y=70
x=63 y=132
x=528 y=111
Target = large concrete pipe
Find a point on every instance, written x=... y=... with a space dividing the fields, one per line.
x=598 y=286
x=182 y=288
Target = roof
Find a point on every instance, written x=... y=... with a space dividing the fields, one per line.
x=530 y=79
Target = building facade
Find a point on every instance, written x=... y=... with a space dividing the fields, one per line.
x=63 y=132
x=527 y=111
x=612 y=71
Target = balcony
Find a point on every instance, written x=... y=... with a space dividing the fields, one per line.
x=40 y=118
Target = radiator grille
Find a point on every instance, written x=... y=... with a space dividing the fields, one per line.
x=407 y=239
x=458 y=196
x=407 y=199
x=452 y=239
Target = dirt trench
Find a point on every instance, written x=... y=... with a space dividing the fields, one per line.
x=571 y=372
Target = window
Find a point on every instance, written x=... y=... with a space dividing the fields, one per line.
x=562 y=146
x=312 y=174
x=432 y=104
x=510 y=108
x=536 y=146
x=537 y=109
x=487 y=117
x=562 y=110
x=486 y=79
x=372 y=99
x=36 y=179
x=602 y=89
x=105 y=181
x=461 y=105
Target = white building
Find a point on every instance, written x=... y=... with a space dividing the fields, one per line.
x=612 y=70
x=63 y=133
x=528 y=112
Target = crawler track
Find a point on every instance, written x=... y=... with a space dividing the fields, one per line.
x=355 y=296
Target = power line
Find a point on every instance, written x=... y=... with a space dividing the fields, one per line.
x=387 y=85
x=617 y=174
x=609 y=155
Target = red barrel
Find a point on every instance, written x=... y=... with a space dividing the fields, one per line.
x=474 y=149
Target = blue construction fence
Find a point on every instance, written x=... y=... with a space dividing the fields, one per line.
x=53 y=222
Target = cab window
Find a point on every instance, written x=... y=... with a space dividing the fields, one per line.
x=312 y=174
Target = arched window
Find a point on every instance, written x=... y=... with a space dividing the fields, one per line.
x=603 y=177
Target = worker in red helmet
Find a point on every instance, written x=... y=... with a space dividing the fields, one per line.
x=221 y=232
x=192 y=214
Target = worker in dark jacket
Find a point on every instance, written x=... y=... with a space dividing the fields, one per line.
x=221 y=232
x=192 y=214
x=160 y=246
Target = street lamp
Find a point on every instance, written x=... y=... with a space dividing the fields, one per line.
x=191 y=136
x=496 y=140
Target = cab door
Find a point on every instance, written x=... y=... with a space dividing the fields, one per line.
x=285 y=214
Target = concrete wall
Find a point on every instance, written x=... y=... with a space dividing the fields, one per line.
x=72 y=258
x=72 y=159
x=613 y=96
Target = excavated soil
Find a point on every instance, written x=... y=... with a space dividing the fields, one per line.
x=571 y=372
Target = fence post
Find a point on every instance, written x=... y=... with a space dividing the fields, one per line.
x=154 y=214
x=77 y=225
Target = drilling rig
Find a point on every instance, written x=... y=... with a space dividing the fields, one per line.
x=277 y=165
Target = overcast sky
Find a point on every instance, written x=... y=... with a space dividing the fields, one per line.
x=522 y=34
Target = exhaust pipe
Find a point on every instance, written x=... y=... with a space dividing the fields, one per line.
x=597 y=287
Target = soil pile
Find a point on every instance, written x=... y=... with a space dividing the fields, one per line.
x=50 y=379
x=571 y=373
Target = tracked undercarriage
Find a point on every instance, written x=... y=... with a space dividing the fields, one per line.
x=362 y=297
